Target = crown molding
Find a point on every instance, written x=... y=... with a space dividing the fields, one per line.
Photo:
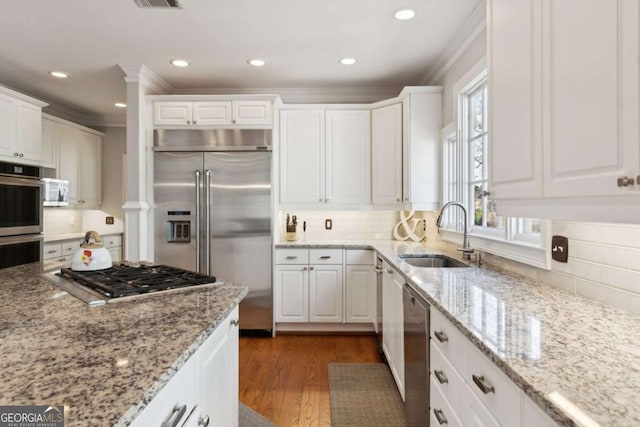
x=147 y=78
x=475 y=23
x=324 y=95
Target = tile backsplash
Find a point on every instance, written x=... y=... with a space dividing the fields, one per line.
x=69 y=221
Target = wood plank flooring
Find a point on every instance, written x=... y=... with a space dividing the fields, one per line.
x=286 y=379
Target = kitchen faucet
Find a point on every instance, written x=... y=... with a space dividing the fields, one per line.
x=465 y=249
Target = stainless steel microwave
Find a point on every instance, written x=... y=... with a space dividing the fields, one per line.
x=56 y=192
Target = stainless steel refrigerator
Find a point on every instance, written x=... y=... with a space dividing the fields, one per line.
x=212 y=211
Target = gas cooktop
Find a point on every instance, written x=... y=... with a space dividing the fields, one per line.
x=126 y=280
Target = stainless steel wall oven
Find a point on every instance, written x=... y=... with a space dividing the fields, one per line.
x=20 y=214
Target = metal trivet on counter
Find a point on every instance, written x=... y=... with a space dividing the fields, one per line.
x=127 y=279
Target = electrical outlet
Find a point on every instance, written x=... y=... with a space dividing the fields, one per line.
x=109 y=220
x=560 y=248
x=328 y=224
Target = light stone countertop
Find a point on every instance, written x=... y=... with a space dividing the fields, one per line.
x=103 y=363
x=543 y=338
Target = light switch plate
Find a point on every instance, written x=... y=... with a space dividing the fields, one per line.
x=560 y=248
x=109 y=220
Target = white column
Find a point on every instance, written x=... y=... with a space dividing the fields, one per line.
x=140 y=81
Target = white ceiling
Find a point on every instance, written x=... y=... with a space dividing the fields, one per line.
x=301 y=41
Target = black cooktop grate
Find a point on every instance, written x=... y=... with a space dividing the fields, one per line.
x=126 y=280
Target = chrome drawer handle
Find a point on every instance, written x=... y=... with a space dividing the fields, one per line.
x=483 y=385
x=442 y=337
x=292 y=257
x=442 y=378
x=203 y=421
x=325 y=257
x=235 y=322
x=440 y=416
x=51 y=252
x=174 y=417
x=389 y=271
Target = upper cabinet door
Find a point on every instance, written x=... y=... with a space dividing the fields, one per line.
x=29 y=131
x=387 y=155
x=252 y=112
x=49 y=143
x=211 y=113
x=302 y=156
x=515 y=103
x=590 y=91
x=172 y=113
x=8 y=125
x=348 y=151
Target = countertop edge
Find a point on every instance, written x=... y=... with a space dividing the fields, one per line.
x=75 y=236
x=164 y=379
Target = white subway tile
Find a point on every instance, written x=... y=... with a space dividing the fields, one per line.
x=577 y=230
x=558 y=280
x=602 y=254
x=611 y=296
x=575 y=267
x=634 y=259
x=620 y=235
x=621 y=278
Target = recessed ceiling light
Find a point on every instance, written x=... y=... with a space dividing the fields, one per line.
x=60 y=74
x=180 y=62
x=256 y=62
x=120 y=105
x=348 y=61
x=404 y=14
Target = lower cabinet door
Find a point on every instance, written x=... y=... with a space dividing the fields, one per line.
x=442 y=414
x=477 y=414
x=292 y=293
x=218 y=359
x=325 y=293
x=361 y=294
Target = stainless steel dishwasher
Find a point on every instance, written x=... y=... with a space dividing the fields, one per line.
x=416 y=358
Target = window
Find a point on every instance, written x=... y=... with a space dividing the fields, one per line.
x=465 y=148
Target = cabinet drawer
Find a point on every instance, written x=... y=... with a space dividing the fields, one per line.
x=448 y=339
x=478 y=414
x=449 y=380
x=361 y=256
x=52 y=250
x=70 y=248
x=493 y=388
x=325 y=256
x=292 y=256
x=112 y=241
x=441 y=413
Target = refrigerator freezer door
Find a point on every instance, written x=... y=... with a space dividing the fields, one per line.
x=240 y=215
x=174 y=209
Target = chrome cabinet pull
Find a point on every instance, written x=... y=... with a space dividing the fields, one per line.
x=235 y=322
x=325 y=257
x=625 y=181
x=195 y=123
x=304 y=268
x=482 y=384
x=51 y=252
x=442 y=337
x=174 y=417
x=310 y=268
x=389 y=271
x=442 y=378
x=440 y=416
x=291 y=257
x=203 y=421
x=21 y=154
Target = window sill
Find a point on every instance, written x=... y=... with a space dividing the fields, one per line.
x=517 y=251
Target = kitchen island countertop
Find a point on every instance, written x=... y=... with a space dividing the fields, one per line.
x=545 y=339
x=100 y=362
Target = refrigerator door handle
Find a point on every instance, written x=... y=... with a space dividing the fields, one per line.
x=207 y=223
x=198 y=207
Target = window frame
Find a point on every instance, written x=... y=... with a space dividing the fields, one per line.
x=508 y=242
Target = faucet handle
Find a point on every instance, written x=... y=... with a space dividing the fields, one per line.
x=466 y=250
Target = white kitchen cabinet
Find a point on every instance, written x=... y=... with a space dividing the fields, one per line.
x=532 y=415
x=206 y=385
x=292 y=293
x=218 y=376
x=302 y=156
x=564 y=108
x=212 y=113
x=360 y=287
x=325 y=157
x=20 y=128
x=325 y=293
x=421 y=116
x=49 y=143
x=386 y=159
x=78 y=159
x=348 y=157
x=309 y=286
x=393 y=324
x=58 y=254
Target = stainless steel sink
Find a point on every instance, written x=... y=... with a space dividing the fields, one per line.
x=432 y=261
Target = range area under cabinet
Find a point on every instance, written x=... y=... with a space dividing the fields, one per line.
x=58 y=253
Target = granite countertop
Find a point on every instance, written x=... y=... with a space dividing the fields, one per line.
x=545 y=339
x=100 y=362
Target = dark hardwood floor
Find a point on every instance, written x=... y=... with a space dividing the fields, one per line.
x=286 y=380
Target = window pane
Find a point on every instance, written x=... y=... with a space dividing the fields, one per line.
x=528 y=226
x=477 y=112
x=493 y=220
x=477 y=160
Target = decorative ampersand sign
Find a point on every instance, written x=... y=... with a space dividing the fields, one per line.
x=409 y=231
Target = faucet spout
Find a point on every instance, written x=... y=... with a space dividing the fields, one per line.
x=465 y=249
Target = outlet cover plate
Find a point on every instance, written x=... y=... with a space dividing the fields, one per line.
x=109 y=220
x=328 y=224
x=560 y=248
